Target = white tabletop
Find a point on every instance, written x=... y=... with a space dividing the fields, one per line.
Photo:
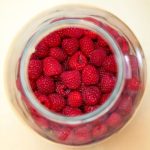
x=14 y=133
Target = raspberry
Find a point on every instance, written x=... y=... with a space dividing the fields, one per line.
x=44 y=101
x=73 y=32
x=90 y=75
x=88 y=109
x=75 y=99
x=77 y=61
x=45 y=85
x=34 y=69
x=102 y=42
x=61 y=33
x=97 y=57
x=90 y=34
x=133 y=84
x=62 y=133
x=114 y=120
x=91 y=95
x=37 y=93
x=123 y=44
x=82 y=134
x=71 y=112
x=62 y=89
x=51 y=66
x=109 y=64
x=42 y=122
x=104 y=98
x=112 y=31
x=57 y=102
x=41 y=49
x=58 y=54
x=33 y=84
x=34 y=56
x=125 y=106
x=53 y=39
x=133 y=65
x=99 y=130
x=70 y=45
x=107 y=83
x=71 y=79
x=86 y=45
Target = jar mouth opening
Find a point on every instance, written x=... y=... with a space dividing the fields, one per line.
x=86 y=117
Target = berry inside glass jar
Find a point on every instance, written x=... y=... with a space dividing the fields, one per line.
x=72 y=71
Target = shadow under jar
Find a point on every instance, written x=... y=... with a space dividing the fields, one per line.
x=120 y=105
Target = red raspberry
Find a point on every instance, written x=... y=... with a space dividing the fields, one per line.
x=99 y=131
x=53 y=39
x=133 y=84
x=57 y=102
x=112 y=31
x=42 y=122
x=58 y=54
x=90 y=75
x=45 y=85
x=70 y=45
x=43 y=99
x=61 y=33
x=77 y=61
x=90 y=34
x=125 y=106
x=33 y=112
x=71 y=79
x=51 y=66
x=91 y=95
x=34 y=69
x=62 y=89
x=73 y=32
x=109 y=64
x=34 y=56
x=107 y=83
x=123 y=44
x=62 y=133
x=134 y=65
x=82 y=134
x=33 y=84
x=114 y=120
x=71 y=112
x=37 y=93
x=86 y=45
x=102 y=42
x=104 y=98
x=41 y=49
x=97 y=57
x=75 y=99
x=88 y=109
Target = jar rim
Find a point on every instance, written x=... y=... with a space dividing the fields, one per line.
x=86 y=117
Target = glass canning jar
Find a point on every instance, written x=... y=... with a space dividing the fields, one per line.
x=121 y=104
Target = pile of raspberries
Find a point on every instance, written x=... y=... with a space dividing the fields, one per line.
x=72 y=71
